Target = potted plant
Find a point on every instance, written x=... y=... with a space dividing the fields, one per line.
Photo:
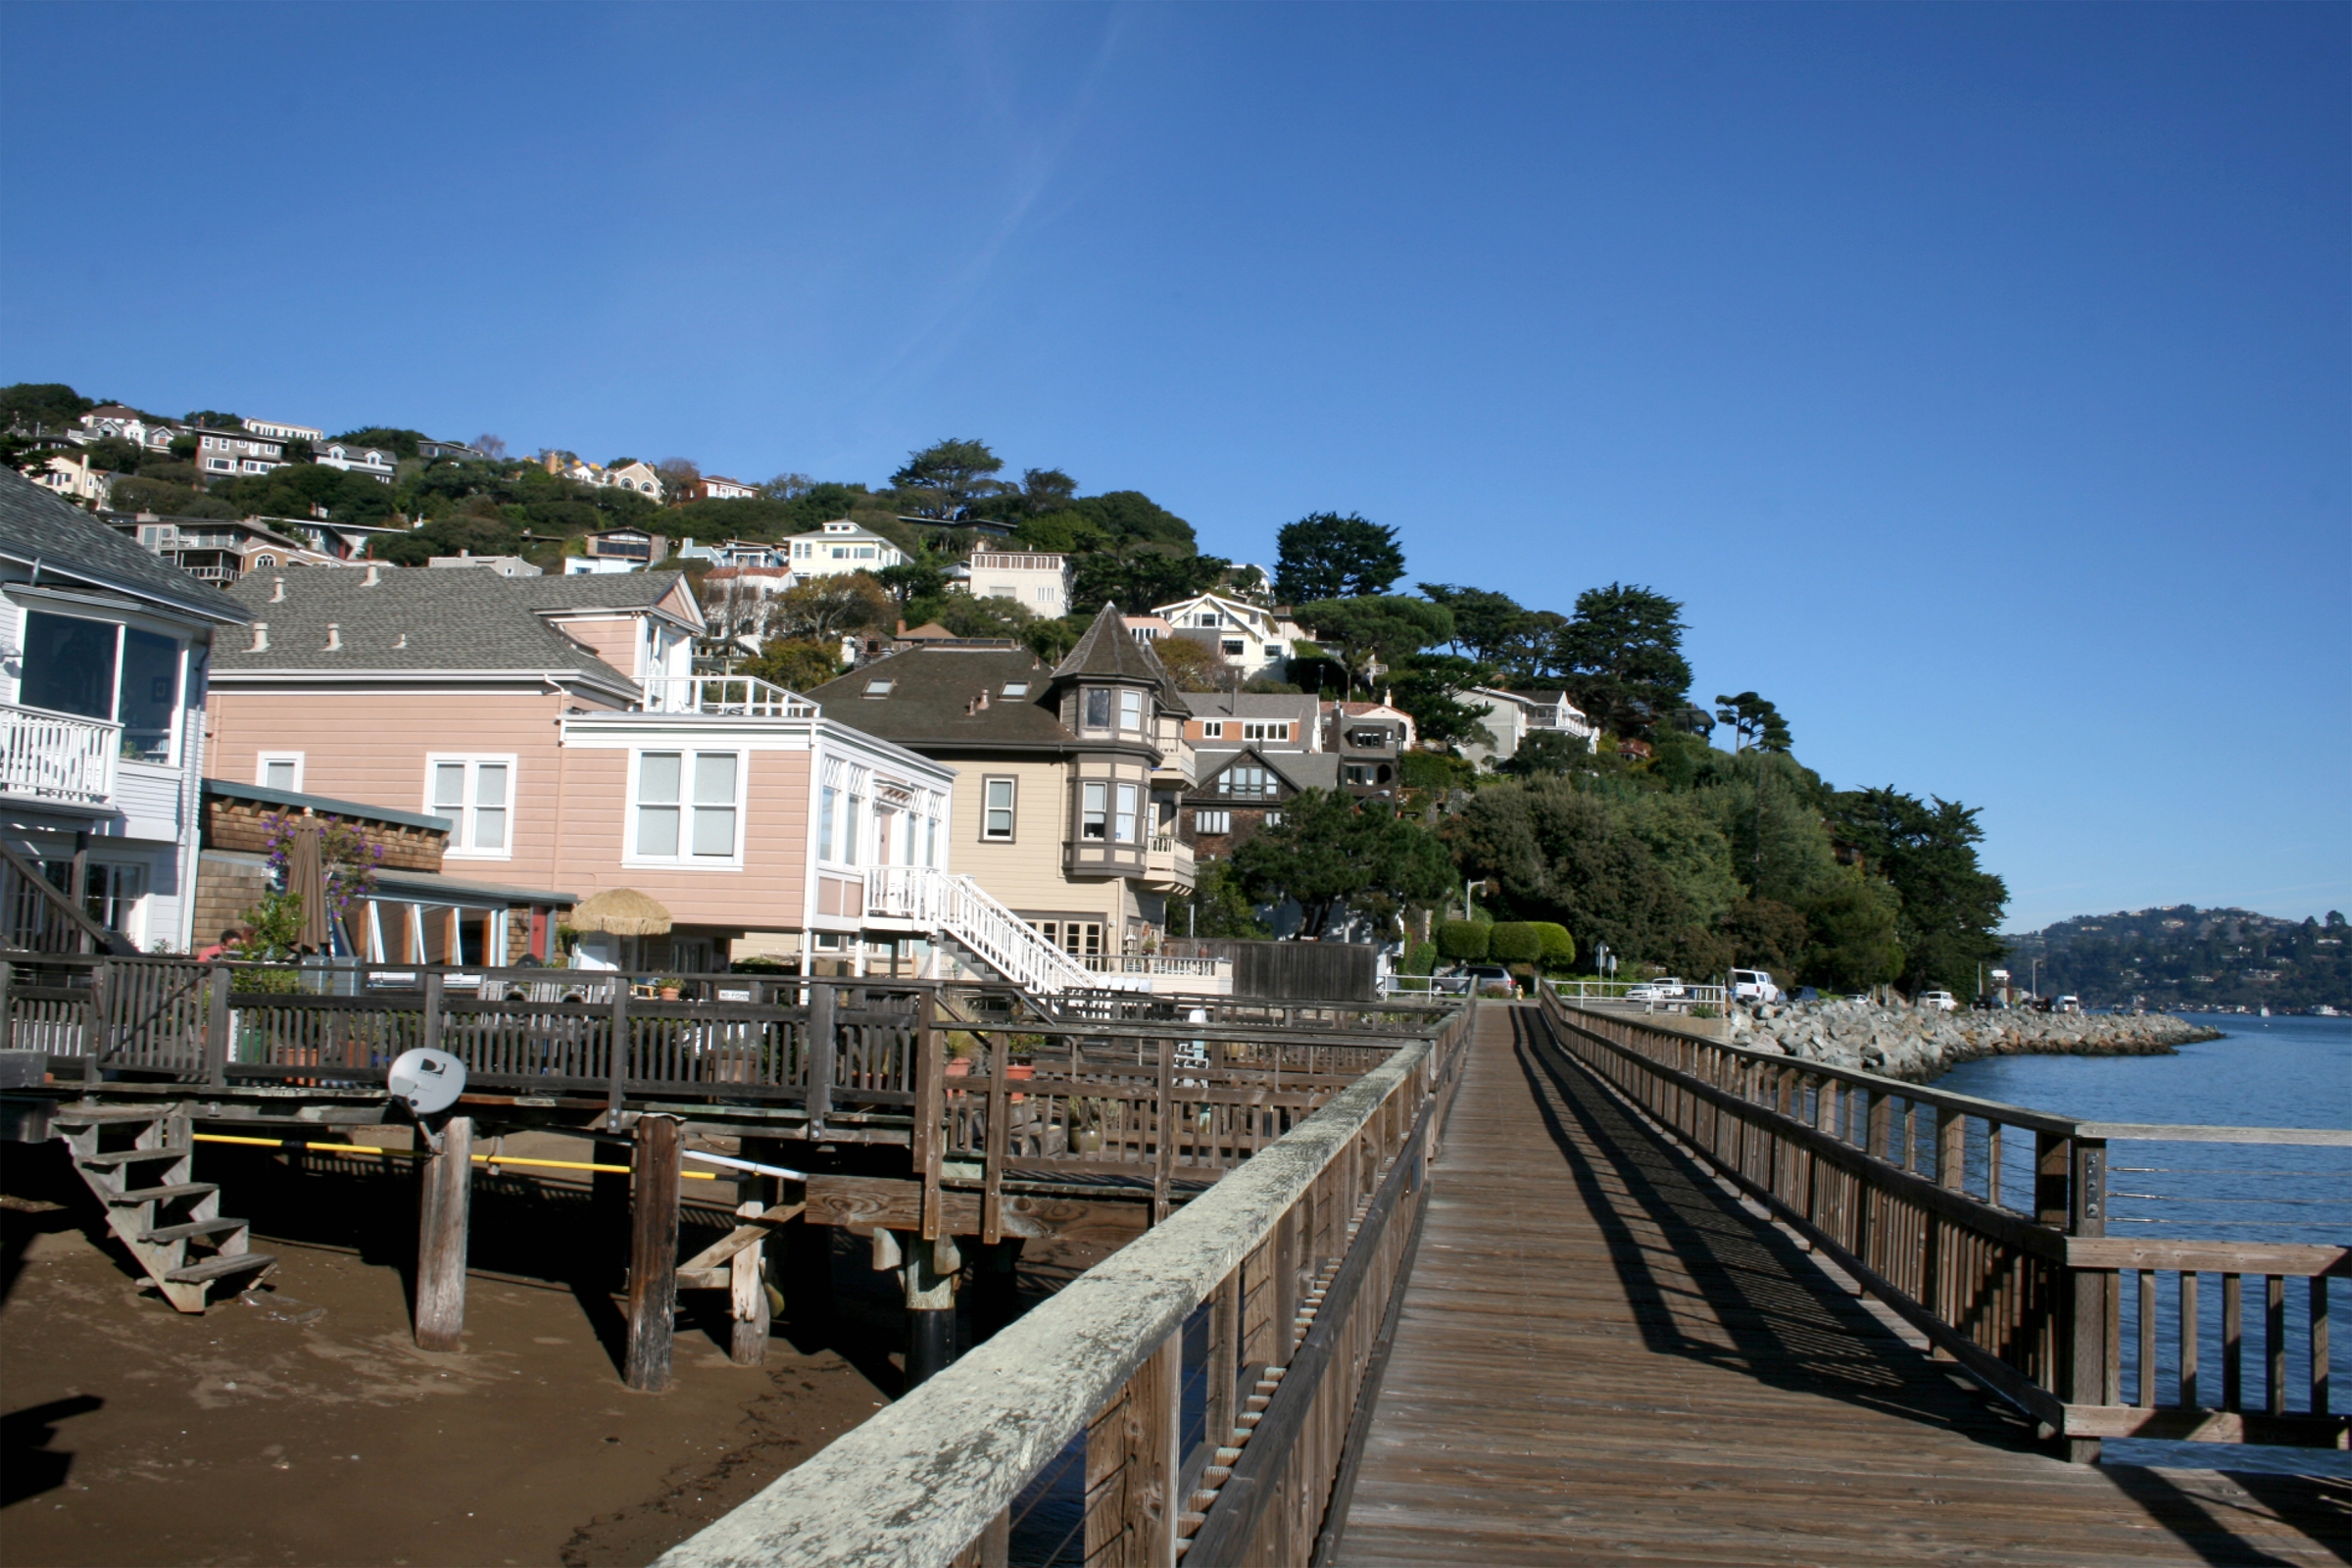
x=669 y=987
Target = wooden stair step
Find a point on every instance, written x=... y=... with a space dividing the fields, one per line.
x=213 y=1268
x=115 y=1160
x=197 y=1227
x=162 y=1194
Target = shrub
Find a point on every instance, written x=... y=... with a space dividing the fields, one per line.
x=1514 y=942
x=1463 y=941
x=1419 y=958
x=1559 y=948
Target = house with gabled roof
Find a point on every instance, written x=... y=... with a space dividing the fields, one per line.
x=1069 y=775
x=556 y=725
x=1252 y=638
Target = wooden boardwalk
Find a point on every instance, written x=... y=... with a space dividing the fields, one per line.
x=1604 y=1357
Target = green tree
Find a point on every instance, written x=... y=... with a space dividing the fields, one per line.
x=1463 y=941
x=400 y=443
x=1926 y=850
x=1368 y=631
x=917 y=577
x=1546 y=753
x=1332 y=852
x=44 y=407
x=1489 y=627
x=1514 y=942
x=1754 y=722
x=1143 y=576
x=1193 y=665
x=828 y=606
x=1045 y=490
x=214 y=420
x=1219 y=906
x=946 y=478
x=797 y=663
x=1428 y=686
x=1767 y=933
x=1558 y=947
x=1324 y=555
x=1622 y=656
x=1851 y=925
x=1560 y=853
x=168 y=500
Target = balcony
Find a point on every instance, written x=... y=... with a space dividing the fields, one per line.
x=58 y=757
x=1177 y=765
x=1161 y=973
x=725 y=696
x=1168 y=863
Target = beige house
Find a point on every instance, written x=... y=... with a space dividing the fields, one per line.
x=1038 y=580
x=1068 y=777
x=840 y=548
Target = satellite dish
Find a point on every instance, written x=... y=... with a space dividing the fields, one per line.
x=427 y=1082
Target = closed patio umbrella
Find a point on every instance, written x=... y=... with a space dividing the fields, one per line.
x=622 y=913
x=306 y=877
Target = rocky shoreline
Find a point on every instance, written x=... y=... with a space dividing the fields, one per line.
x=1918 y=1044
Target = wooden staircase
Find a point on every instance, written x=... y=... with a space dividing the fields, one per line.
x=138 y=1160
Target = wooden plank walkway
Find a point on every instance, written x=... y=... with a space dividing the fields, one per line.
x=1604 y=1357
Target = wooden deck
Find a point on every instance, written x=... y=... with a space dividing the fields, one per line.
x=1604 y=1357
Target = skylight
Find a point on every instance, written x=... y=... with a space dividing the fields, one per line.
x=1016 y=688
x=878 y=688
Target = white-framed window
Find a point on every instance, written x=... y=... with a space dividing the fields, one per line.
x=221 y=464
x=1123 y=824
x=1273 y=820
x=1247 y=779
x=105 y=670
x=278 y=770
x=997 y=795
x=477 y=795
x=1235 y=648
x=851 y=830
x=1212 y=822
x=1096 y=703
x=1131 y=711
x=828 y=818
x=1212 y=729
x=1094 y=810
x=685 y=807
x=1266 y=732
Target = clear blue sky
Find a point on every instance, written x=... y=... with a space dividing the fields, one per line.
x=1980 y=378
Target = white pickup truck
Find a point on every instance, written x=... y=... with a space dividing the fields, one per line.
x=1754 y=986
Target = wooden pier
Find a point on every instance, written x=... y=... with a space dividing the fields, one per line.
x=1605 y=1354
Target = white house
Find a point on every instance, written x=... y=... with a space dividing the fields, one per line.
x=285 y=432
x=1039 y=580
x=718 y=487
x=377 y=463
x=142 y=430
x=632 y=475
x=1512 y=716
x=840 y=548
x=74 y=476
x=104 y=654
x=1254 y=638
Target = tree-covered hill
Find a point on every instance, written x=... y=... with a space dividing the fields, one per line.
x=2182 y=955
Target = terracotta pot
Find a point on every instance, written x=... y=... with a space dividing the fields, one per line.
x=670 y=993
x=1020 y=1070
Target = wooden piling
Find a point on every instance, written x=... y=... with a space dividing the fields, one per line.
x=747 y=1299
x=653 y=1253
x=447 y=1198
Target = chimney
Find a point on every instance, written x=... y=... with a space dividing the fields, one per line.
x=901 y=628
x=334 y=638
x=373 y=578
x=261 y=638
x=278 y=595
x=403 y=642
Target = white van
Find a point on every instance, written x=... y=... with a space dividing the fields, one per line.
x=1753 y=985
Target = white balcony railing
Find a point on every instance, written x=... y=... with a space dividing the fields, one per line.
x=1156 y=963
x=1170 y=859
x=725 y=696
x=57 y=756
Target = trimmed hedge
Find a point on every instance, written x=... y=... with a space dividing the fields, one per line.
x=1421 y=957
x=1559 y=948
x=1514 y=942
x=1463 y=941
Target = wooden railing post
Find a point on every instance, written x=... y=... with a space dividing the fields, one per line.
x=216 y=1025
x=441 y=1227
x=653 y=1253
x=820 y=1057
x=618 y=1065
x=1131 y=1467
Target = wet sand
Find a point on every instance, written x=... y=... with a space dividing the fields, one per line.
x=300 y=1425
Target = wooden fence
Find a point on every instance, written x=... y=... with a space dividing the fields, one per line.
x=1341 y=972
x=1289 y=1268
x=1901 y=1187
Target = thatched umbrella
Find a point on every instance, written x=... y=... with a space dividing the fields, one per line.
x=305 y=878
x=620 y=912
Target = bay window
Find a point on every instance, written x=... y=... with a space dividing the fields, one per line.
x=1093 y=803
x=1124 y=823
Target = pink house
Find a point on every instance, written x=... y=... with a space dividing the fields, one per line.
x=556 y=723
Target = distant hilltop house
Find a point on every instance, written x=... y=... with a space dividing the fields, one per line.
x=142 y=430
x=74 y=476
x=285 y=432
x=218 y=551
x=1512 y=716
x=433 y=450
x=840 y=548
x=639 y=478
x=503 y=566
x=718 y=487
x=615 y=550
x=377 y=462
x=733 y=553
x=1038 y=579
x=222 y=454
x=1252 y=638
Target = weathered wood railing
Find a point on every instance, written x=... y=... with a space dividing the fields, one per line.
x=1295 y=1261
x=1901 y=1187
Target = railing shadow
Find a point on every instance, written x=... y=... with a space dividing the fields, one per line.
x=1790 y=1326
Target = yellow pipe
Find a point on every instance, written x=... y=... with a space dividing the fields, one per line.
x=411 y=1153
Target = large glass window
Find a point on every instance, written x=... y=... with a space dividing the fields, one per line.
x=1098 y=708
x=1094 y=810
x=476 y=794
x=102 y=670
x=1247 y=779
x=995 y=815
x=1123 y=825
x=686 y=807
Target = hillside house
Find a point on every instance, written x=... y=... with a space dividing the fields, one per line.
x=71 y=477
x=235 y=454
x=104 y=649
x=285 y=432
x=1510 y=716
x=1250 y=638
x=840 y=548
x=718 y=487
x=556 y=725
x=142 y=430
x=1038 y=580
x=217 y=549
x=1369 y=739
x=1069 y=777
x=379 y=464
x=1256 y=750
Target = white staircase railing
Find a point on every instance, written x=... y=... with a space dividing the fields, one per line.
x=959 y=906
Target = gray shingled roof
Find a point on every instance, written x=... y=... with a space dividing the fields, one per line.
x=932 y=688
x=1109 y=649
x=411 y=619
x=599 y=590
x=1298 y=706
x=68 y=542
x=1302 y=770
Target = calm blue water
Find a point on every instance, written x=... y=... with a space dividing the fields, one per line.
x=2265 y=1072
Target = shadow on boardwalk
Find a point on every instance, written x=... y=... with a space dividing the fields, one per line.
x=1604 y=1356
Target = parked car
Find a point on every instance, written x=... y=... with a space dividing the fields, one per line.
x=1482 y=976
x=2066 y=1004
x=1666 y=989
x=1941 y=1001
x=1753 y=985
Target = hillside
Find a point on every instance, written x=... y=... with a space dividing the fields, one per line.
x=2187 y=957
